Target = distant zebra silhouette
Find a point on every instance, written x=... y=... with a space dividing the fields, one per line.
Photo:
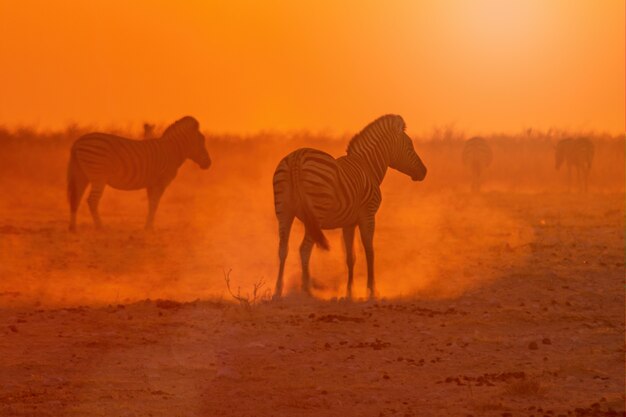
x=125 y=164
x=578 y=155
x=148 y=131
x=328 y=193
x=477 y=157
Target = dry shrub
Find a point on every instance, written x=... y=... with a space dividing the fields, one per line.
x=248 y=301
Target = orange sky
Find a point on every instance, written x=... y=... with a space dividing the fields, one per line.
x=241 y=66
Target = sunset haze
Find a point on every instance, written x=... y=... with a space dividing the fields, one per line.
x=245 y=66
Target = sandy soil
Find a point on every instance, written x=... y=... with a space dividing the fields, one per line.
x=522 y=314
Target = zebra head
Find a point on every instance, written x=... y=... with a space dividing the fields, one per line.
x=558 y=159
x=186 y=131
x=198 y=152
x=561 y=150
x=405 y=159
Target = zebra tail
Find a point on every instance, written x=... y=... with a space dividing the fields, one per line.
x=311 y=224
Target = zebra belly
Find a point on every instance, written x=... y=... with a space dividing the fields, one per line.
x=139 y=177
x=121 y=185
x=335 y=218
x=336 y=223
x=331 y=223
x=138 y=183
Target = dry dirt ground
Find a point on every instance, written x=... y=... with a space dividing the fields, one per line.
x=542 y=336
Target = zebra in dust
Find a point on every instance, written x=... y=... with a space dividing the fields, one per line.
x=578 y=155
x=148 y=131
x=101 y=159
x=477 y=157
x=328 y=193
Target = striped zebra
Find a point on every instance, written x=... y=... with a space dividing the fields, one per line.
x=477 y=157
x=148 y=131
x=328 y=193
x=101 y=159
x=578 y=155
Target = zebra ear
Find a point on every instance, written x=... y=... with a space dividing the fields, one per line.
x=190 y=122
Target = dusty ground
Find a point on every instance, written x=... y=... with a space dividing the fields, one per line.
x=522 y=314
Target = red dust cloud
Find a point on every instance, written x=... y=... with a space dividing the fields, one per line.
x=433 y=239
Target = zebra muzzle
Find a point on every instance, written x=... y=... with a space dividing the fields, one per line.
x=205 y=163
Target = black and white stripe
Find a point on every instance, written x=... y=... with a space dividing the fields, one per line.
x=577 y=154
x=328 y=193
x=101 y=159
x=477 y=157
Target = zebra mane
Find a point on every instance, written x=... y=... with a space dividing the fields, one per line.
x=185 y=124
x=386 y=122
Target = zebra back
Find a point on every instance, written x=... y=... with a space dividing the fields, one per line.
x=586 y=151
x=577 y=152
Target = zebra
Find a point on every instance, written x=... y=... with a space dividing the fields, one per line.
x=328 y=193
x=148 y=131
x=125 y=164
x=477 y=156
x=577 y=154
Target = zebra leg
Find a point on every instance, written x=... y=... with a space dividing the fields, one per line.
x=473 y=185
x=284 y=228
x=154 y=196
x=306 y=247
x=348 y=240
x=78 y=186
x=581 y=180
x=97 y=188
x=366 y=228
x=569 y=178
